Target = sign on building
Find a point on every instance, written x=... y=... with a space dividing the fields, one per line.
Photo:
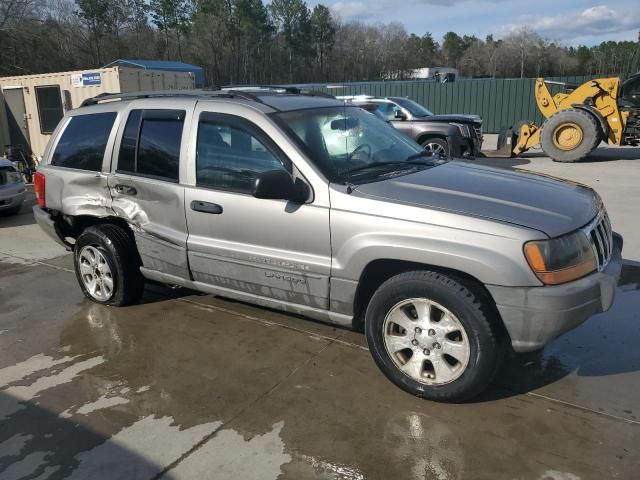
x=86 y=79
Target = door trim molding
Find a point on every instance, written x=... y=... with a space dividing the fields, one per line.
x=314 y=313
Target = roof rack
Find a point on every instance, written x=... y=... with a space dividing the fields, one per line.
x=275 y=89
x=107 y=97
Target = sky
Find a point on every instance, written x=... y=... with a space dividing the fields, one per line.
x=570 y=22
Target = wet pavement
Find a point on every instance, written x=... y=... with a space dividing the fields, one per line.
x=189 y=386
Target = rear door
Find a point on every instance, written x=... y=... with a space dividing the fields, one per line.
x=145 y=182
x=272 y=249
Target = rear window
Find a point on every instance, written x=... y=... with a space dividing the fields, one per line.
x=151 y=144
x=84 y=141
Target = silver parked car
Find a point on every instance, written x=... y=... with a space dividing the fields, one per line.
x=12 y=188
x=308 y=205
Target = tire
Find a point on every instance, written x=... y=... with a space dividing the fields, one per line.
x=449 y=297
x=436 y=145
x=580 y=137
x=116 y=267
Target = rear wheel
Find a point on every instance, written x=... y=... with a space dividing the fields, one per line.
x=570 y=135
x=430 y=336
x=107 y=265
x=437 y=146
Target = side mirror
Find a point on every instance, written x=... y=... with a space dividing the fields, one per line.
x=399 y=115
x=279 y=185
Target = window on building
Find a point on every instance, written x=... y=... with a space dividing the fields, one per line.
x=50 y=109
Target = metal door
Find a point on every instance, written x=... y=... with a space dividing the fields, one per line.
x=269 y=249
x=16 y=116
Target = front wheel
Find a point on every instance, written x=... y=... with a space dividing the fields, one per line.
x=432 y=337
x=107 y=265
x=437 y=146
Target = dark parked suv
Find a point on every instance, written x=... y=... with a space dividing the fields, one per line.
x=448 y=135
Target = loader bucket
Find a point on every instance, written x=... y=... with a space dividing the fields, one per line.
x=506 y=140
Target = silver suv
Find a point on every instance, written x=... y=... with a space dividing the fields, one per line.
x=309 y=205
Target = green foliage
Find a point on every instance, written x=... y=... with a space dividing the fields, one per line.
x=252 y=41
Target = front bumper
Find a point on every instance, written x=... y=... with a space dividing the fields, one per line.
x=12 y=195
x=462 y=147
x=534 y=316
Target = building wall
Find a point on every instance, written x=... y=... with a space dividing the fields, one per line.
x=75 y=87
x=501 y=102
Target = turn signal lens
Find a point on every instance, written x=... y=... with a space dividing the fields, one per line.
x=562 y=259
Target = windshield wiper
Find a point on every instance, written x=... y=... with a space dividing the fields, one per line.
x=423 y=154
x=416 y=159
x=371 y=166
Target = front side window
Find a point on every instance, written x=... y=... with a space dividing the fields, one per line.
x=350 y=144
x=232 y=152
x=151 y=144
x=387 y=110
x=83 y=142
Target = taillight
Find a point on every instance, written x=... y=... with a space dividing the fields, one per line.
x=39 y=188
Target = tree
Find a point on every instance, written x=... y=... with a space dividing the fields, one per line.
x=254 y=30
x=95 y=14
x=453 y=48
x=292 y=20
x=171 y=16
x=323 y=33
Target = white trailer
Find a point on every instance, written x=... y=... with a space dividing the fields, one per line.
x=34 y=104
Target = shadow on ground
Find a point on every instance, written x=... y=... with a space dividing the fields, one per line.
x=605 y=345
x=609 y=154
x=31 y=446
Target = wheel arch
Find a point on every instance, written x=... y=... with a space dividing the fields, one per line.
x=71 y=227
x=379 y=271
x=422 y=137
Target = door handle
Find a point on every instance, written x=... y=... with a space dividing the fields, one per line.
x=126 y=190
x=206 y=207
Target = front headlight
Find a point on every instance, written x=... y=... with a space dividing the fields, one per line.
x=14 y=177
x=465 y=131
x=562 y=259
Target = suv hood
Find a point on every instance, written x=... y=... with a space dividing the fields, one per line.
x=550 y=205
x=473 y=119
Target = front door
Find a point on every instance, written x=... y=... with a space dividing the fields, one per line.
x=17 y=117
x=145 y=185
x=273 y=250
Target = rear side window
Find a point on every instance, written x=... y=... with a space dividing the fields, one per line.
x=84 y=141
x=151 y=144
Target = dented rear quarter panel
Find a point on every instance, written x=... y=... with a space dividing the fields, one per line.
x=79 y=192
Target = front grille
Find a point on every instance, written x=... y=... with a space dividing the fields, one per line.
x=478 y=130
x=601 y=236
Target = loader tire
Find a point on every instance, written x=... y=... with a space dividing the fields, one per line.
x=570 y=135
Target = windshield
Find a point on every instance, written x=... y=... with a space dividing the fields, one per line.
x=349 y=144
x=414 y=108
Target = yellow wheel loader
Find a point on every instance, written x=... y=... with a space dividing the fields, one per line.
x=604 y=109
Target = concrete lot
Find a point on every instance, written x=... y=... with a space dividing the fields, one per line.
x=188 y=386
